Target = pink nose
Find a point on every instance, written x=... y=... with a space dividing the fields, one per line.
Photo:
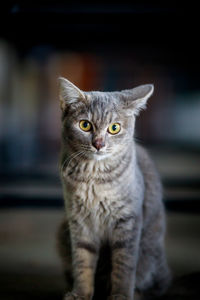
x=98 y=144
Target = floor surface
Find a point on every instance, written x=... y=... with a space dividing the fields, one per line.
x=30 y=267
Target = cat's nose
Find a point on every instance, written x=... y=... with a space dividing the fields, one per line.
x=98 y=144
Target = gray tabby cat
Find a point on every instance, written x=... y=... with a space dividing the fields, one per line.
x=113 y=234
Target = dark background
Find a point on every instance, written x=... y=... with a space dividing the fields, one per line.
x=99 y=45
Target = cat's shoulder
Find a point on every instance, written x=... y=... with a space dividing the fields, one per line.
x=142 y=153
x=144 y=158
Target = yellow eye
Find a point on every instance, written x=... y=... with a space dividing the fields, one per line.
x=114 y=128
x=85 y=125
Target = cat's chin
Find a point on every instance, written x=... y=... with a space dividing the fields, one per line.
x=100 y=156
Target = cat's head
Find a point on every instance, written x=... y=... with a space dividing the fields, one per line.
x=99 y=124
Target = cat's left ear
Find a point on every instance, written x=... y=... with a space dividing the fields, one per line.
x=134 y=100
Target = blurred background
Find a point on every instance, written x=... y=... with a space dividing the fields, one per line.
x=98 y=46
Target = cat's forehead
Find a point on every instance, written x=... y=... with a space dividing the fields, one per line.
x=101 y=98
x=103 y=107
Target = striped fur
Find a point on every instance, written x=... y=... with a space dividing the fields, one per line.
x=112 y=198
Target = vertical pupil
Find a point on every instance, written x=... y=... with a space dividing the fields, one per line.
x=114 y=127
x=85 y=124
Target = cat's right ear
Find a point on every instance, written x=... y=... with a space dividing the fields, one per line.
x=69 y=93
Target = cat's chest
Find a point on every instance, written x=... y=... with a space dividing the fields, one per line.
x=96 y=198
x=98 y=193
x=97 y=207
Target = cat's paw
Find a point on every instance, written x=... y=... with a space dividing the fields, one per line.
x=73 y=296
x=117 y=297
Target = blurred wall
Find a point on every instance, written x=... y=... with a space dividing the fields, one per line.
x=95 y=55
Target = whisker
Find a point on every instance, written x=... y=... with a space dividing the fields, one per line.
x=76 y=155
x=69 y=159
x=138 y=140
x=85 y=147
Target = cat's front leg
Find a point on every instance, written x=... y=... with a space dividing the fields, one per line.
x=125 y=244
x=84 y=259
